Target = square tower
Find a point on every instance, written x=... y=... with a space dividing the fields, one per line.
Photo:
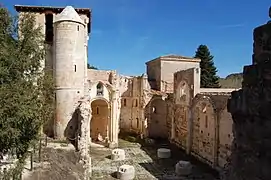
x=161 y=70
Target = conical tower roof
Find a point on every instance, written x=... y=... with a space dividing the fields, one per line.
x=69 y=14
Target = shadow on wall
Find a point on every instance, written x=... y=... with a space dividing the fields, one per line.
x=72 y=129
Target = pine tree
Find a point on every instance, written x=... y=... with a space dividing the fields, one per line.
x=26 y=91
x=208 y=78
x=91 y=67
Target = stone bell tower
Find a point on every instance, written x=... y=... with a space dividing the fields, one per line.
x=69 y=66
x=251 y=112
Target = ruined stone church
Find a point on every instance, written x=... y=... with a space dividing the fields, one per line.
x=166 y=102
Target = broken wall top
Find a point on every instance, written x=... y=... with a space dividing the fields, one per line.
x=262 y=43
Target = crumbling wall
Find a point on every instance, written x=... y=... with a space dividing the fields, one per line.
x=203 y=129
x=130 y=110
x=250 y=109
x=84 y=117
x=183 y=95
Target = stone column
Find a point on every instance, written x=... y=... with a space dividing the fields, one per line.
x=114 y=121
x=251 y=112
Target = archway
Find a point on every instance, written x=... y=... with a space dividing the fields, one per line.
x=99 y=124
x=158 y=122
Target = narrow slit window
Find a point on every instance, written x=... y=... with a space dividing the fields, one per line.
x=74 y=68
x=136 y=103
x=124 y=102
x=137 y=122
x=206 y=121
x=77 y=28
x=97 y=110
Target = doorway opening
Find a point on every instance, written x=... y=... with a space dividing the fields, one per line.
x=99 y=124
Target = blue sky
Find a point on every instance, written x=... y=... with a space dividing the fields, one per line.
x=127 y=33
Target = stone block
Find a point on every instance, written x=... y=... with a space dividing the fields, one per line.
x=126 y=172
x=118 y=154
x=183 y=168
x=163 y=153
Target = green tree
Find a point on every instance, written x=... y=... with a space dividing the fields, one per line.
x=26 y=90
x=208 y=77
x=91 y=67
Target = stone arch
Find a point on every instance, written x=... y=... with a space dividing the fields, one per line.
x=99 y=124
x=157 y=125
x=203 y=128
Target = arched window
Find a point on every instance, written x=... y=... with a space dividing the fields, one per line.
x=100 y=91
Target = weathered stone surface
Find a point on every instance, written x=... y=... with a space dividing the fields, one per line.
x=250 y=109
x=84 y=116
x=126 y=172
x=118 y=154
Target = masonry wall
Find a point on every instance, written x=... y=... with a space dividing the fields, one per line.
x=225 y=137
x=201 y=124
x=203 y=131
x=170 y=67
x=131 y=109
x=154 y=74
x=157 y=121
x=183 y=94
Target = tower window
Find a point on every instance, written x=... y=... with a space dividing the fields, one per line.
x=74 y=68
x=77 y=28
x=49 y=30
x=124 y=102
x=137 y=122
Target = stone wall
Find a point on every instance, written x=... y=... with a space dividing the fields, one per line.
x=201 y=124
x=130 y=112
x=250 y=109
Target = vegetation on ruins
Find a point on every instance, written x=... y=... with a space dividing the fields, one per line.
x=26 y=90
x=208 y=78
x=92 y=67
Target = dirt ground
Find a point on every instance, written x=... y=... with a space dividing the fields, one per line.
x=57 y=164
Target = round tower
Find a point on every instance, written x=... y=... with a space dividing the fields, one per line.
x=69 y=67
